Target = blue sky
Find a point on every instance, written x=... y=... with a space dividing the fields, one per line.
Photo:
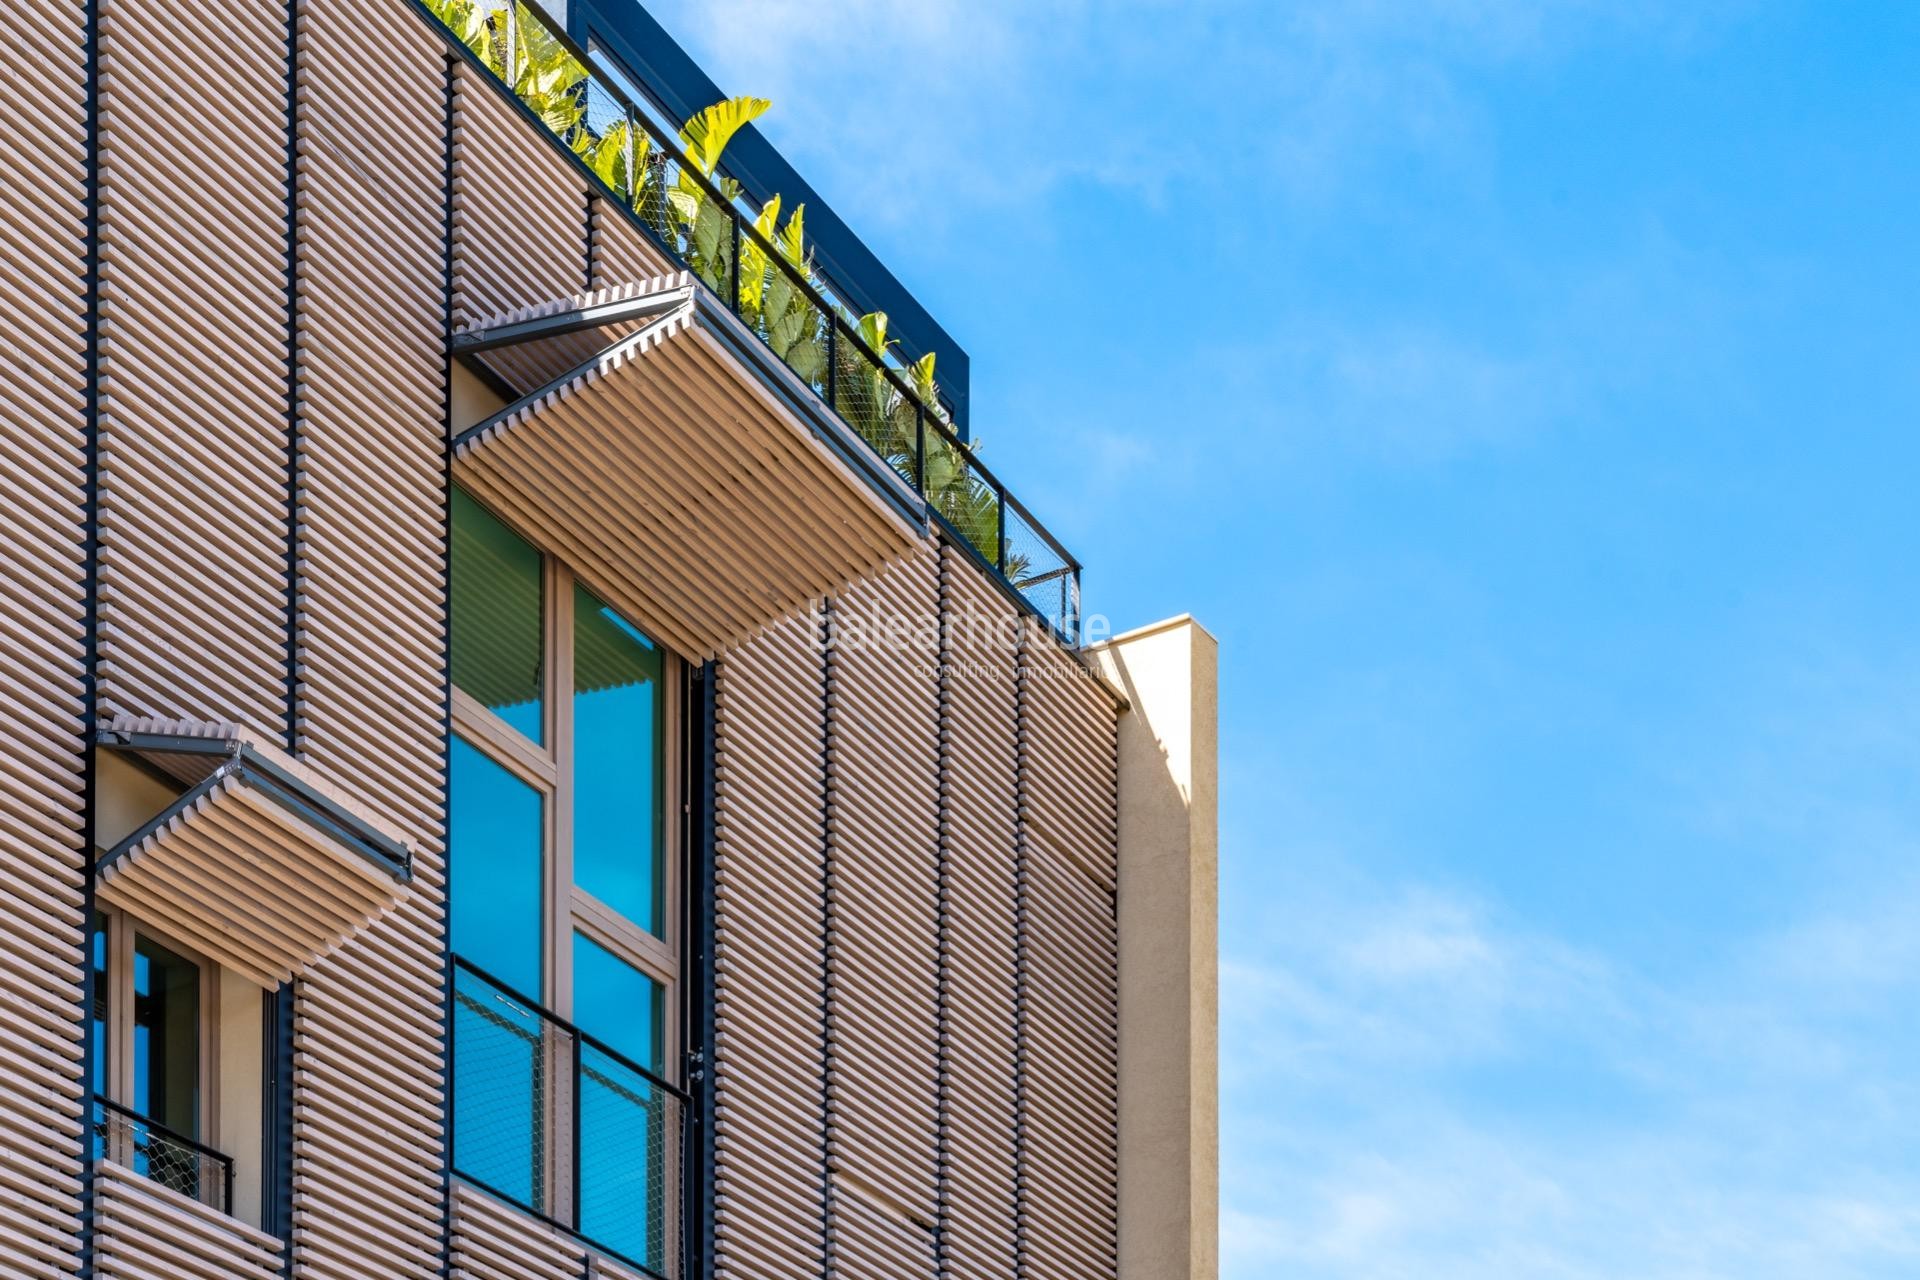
x=1525 y=395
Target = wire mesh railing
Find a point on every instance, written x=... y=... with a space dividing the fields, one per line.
x=763 y=271
x=162 y=1155
x=569 y=1129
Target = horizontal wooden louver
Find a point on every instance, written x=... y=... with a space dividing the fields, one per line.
x=144 y=1231
x=883 y=774
x=979 y=1148
x=622 y=253
x=1069 y=949
x=869 y=1244
x=770 y=994
x=686 y=493
x=194 y=429
x=372 y=315
x=43 y=431
x=492 y=1241
x=259 y=865
x=519 y=209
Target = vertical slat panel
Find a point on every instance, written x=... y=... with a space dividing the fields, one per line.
x=519 y=207
x=368 y=1188
x=978 y=819
x=43 y=434
x=883 y=899
x=1068 y=945
x=770 y=1199
x=193 y=356
x=622 y=253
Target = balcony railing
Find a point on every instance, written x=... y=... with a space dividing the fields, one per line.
x=764 y=275
x=564 y=1126
x=162 y=1155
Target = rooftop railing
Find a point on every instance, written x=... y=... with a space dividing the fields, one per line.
x=763 y=272
x=566 y=1127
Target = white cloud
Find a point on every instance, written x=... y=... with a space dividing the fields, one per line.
x=1423 y=1087
x=912 y=113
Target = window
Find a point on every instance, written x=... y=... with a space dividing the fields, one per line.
x=190 y=1082
x=179 y=1065
x=563 y=853
x=497 y=633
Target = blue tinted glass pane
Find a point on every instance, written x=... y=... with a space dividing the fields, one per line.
x=630 y=1131
x=495 y=851
x=616 y=763
x=499 y=1090
x=100 y=1003
x=615 y=1002
x=166 y=1037
x=497 y=649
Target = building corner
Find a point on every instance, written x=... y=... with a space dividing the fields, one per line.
x=1169 y=949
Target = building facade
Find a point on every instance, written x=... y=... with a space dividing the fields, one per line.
x=533 y=747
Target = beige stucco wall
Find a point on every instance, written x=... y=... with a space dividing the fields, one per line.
x=1169 y=948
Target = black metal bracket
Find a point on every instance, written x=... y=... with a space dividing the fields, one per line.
x=641 y=307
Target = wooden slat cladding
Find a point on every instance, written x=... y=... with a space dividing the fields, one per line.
x=1068 y=971
x=967 y=992
x=978 y=1142
x=43 y=436
x=493 y=1241
x=372 y=374
x=883 y=809
x=145 y=1231
x=194 y=423
x=621 y=252
x=519 y=209
x=369 y=1196
x=870 y=1244
x=769 y=929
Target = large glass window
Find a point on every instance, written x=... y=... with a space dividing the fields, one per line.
x=102 y=995
x=563 y=853
x=616 y=745
x=616 y=1003
x=157 y=1027
x=628 y=1124
x=498 y=649
x=166 y=1037
x=498 y=838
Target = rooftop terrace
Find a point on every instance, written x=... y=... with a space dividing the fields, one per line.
x=674 y=184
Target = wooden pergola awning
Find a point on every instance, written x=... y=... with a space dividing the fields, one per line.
x=690 y=478
x=259 y=865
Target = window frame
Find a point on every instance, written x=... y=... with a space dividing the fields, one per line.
x=117 y=1076
x=547 y=767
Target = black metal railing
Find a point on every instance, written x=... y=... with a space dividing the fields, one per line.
x=765 y=276
x=566 y=1127
x=163 y=1155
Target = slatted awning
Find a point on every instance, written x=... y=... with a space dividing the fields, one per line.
x=259 y=865
x=691 y=479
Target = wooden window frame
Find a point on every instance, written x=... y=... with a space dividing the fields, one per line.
x=122 y=927
x=547 y=767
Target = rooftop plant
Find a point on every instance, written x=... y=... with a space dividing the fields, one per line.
x=514 y=42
